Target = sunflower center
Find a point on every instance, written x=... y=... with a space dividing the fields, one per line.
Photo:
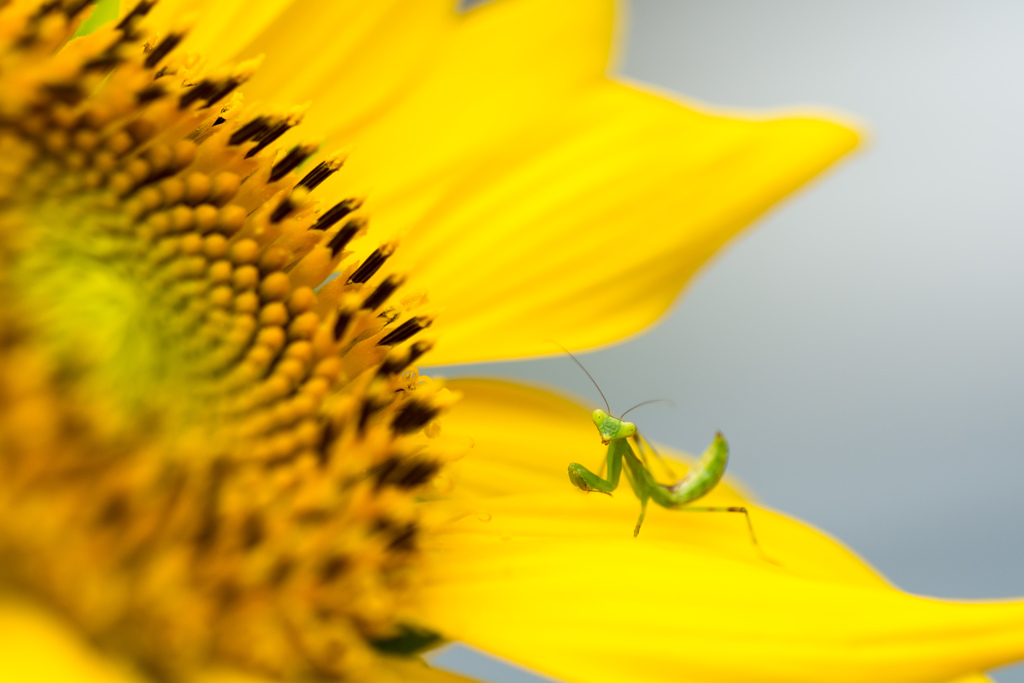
x=95 y=307
x=207 y=455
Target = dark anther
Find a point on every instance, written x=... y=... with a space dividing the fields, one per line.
x=227 y=594
x=405 y=539
x=219 y=120
x=418 y=349
x=328 y=433
x=382 y=472
x=44 y=9
x=252 y=532
x=369 y=408
x=381 y=294
x=114 y=511
x=73 y=9
x=263 y=139
x=295 y=156
x=404 y=331
x=209 y=523
x=413 y=416
x=382 y=524
x=163 y=49
x=221 y=91
x=341 y=324
x=345 y=235
x=201 y=90
x=283 y=209
x=153 y=92
x=411 y=640
x=105 y=62
x=336 y=213
x=392 y=365
x=419 y=473
x=320 y=173
x=27 y=40
x=281 y=571
x=333 y=567
x=68 y=93
x=404 y=474
x=370 y=266
x=248 y=131
x=140 y=10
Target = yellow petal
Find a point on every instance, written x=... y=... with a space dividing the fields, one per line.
x=539 y=584
x=348 y=59
x=554 y=580
x=596 y=217
x=217 y=29
x=480 y=75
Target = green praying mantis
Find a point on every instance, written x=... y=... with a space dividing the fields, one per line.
x=617 y=434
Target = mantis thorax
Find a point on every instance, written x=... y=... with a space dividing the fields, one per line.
x=612 y=428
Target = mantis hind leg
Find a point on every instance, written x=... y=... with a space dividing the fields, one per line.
x=642 y=451
x=746 y=515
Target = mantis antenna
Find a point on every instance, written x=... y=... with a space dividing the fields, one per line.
x=596 y=386
x=644 y=403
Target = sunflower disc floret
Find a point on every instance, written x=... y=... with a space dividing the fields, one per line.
x=206 y=454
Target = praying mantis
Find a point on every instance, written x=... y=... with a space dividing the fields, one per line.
x=617 y=433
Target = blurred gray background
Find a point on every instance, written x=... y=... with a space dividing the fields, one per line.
x=861 y=346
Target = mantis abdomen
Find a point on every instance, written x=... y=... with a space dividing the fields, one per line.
x=699 y=480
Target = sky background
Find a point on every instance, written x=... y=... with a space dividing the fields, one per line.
x=860 y=346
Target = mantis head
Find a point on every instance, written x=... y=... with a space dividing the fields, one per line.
x=612 y=428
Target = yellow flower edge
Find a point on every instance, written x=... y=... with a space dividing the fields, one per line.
x=547 y=576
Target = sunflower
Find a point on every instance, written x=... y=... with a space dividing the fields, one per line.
x=219 y=461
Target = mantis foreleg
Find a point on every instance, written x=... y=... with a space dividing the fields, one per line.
x=588 y=481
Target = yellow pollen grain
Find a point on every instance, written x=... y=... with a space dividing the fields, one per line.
x=197 y=187
x=274 y=258
x=302 y=350
x=272 y=338
x=232 y=217
x=182 y=218
x=274 y=314
x=275 y=287
x=247 y=302
x=207 y=217
x=244 y=252
x=246 y=278
x=215 y=246
x=304 y=326
x=224 y=187
x=220 y=272
x=222 y=296
x=302 y=299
